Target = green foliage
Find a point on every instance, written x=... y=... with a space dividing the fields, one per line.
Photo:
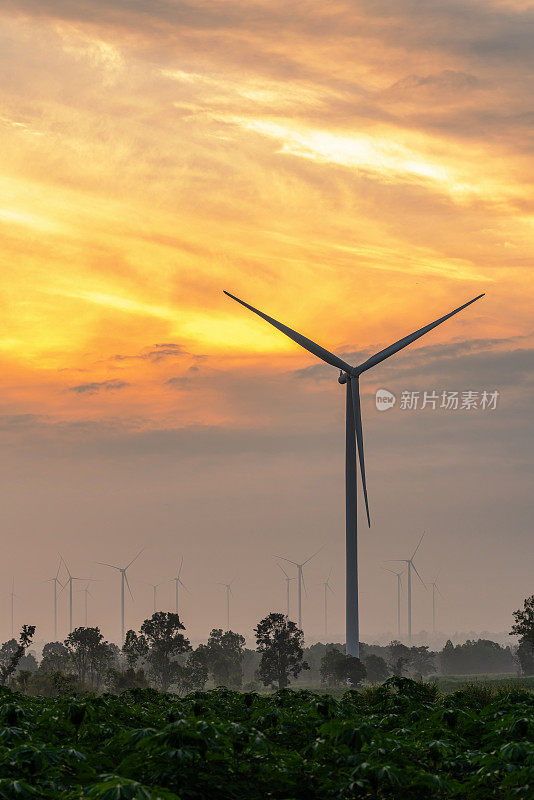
x=224 y=657
x=338 y=669
x=12 y=652
x=165 y=642
x=402 y=739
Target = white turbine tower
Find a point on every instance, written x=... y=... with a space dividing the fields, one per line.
x=86 y=594
x=327 y=588
x=399 y=586
x=124 y=581
x=411 y=565
x=288 y=581
x=301 y=579
x=350 y=375
x=178 y=581
x=155 y=587
x=69 y=581
x=435 y=588
x=55 y=581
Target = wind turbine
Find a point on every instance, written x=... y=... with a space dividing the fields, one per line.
x=327 y=588
x=288 y=581
x=69 y=581
x=399 y=586
x=411 y=565
x=435 y=588
x=55 y=581
x=350 y=376
x=228 y=593
x=12 y=595
x=177 y=580
x=87 y=594
x=124 y=580
x=301 y=579
x=155 y=587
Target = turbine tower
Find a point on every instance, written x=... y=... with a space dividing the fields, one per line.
x=55 y=581
x=177 y=580
x=124 y=580
x=288 y=581
x=399 y=586
x=155 y=587
x=350 y=375
x=435 y=588
x=411 y=565
x=86 y=594
x=301 y=579
x=327 y=588
x=69 y=581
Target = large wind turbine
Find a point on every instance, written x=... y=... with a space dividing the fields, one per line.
x=301 y=579
x=69 y=581
x=288 y=581
x=435 y=589
x=399 y=586
x=411 y=565
x=124 y=580
x=177 y=580
x=327 y=588
x=350 y=376
x=55 y=581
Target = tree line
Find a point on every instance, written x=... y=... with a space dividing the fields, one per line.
x=160 y=655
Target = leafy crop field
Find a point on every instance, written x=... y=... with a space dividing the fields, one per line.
x=398 y=740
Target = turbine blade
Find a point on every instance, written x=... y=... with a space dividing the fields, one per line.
x=127 y=584
x=359 y=440
x=303 y=341
x=180 y=581
x=103 y=564
x=420 y=578
x=304 y=585
x=58 y=569
x=181 y=565
x=283 y=570
x=417 y=548
x=396 y=346
x=313 y=556
x=134 y=559
x=287 y=559
x=65 y=565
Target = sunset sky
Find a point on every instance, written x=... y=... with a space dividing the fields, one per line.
x=355 y=169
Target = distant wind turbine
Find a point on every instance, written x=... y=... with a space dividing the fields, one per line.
x=301 y=579
x=228 y=593
x=155 y=587
x=350 y=376
x=69 y=581
x=435 y=588
x=178 y=581
x=399 y=586
x=411 y=565
x=55 y=581
x=288 y=581
x=124 y=580
x=327 y=588
x=86 y=594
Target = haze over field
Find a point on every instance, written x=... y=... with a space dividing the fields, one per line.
x=354 y=169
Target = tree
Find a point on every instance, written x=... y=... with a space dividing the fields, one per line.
x=194 y=672
x=89 y=654
x=165 y=643
x=338 y=669
x=421 y=661
x=525 y=656
x=224 y=658
x=12 y=651
x=135 y=648
x=280 y=643
x=399 y=656
x=377 y=669
x=524 y=622
x=55 y=658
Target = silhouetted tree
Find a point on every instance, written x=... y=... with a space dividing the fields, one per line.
x=339 y=669
x=377 y=669
x=194 y=672
x=12 y=651
x=524 y=628
x=89 y=654
x=166 y=643
x=399 y=657
x=480 y=656
x=55 y=658
x=280 y=643
x=525 y=657
x=135 y=648
x=224 y=657
x=421 y=661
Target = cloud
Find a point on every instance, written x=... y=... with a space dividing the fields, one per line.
x=99 y=386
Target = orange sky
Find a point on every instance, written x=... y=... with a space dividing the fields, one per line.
x=356 y=169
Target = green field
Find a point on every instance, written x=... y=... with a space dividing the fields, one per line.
x=450 y=683
x=399 y=740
